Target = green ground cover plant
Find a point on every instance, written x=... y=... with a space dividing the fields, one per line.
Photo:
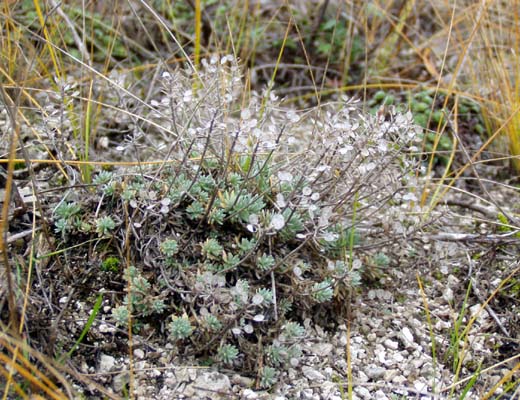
x=230 y=210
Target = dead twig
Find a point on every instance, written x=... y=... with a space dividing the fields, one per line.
x=505 y=238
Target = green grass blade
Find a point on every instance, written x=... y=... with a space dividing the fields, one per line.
x=88 y=325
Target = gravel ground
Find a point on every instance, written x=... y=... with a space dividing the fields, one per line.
x=389 y=345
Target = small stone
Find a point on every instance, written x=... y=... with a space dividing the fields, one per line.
x=139 y=353
x=380 y=395
x=391 y=344
x=242 y=381
x=360 y=354
x=322 y=349
x=319 y=330
x=341 y=364
x=399 y=379
x=328 y=389
x=104 y=328
x=420 y=386
x=407 y=337
x=363 y=392
x=371 y=337
x=357 y=339
x=448 y=295
x=442 y=325
x=312 y=374
x=413 y=322
x=362 y=377
x=477 y=309
x=375 y=373
x=193 y=373
x=453 y=281
x=210 y=382
x=120 y=381
x=84 y=367
x=141 y=365
x=170 y=379
x=390 y=374
x=248 y=394
x=106 y=363
x=307 y=394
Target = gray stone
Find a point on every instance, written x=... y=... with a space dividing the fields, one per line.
x=375 y=373
x=407 y=337
x=322 y=349
x=106 y=363
x=213 y=384
x=399 y=379
x=139 y=353
x=328 y=389
x=390 y=374
x=362 y=377
x=242 y=381
x=307 y=394
x=380 y=395
x=249 y=394
x=120 y=381
x=391 y=344
x=363 y=392
x=312 y=374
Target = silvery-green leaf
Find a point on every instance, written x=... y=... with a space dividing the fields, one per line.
x=257 y=299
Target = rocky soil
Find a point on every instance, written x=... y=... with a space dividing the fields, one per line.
x=388 y=347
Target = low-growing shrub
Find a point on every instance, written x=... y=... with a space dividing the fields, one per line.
x=256 y=217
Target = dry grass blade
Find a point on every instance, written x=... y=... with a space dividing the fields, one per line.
x=16 y=362
x=4 y=220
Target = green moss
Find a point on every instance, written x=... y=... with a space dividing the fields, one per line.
x=110 y=264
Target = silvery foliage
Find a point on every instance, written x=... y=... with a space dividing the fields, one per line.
x=341 y=160
x=344 y=167
x=331 y=169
